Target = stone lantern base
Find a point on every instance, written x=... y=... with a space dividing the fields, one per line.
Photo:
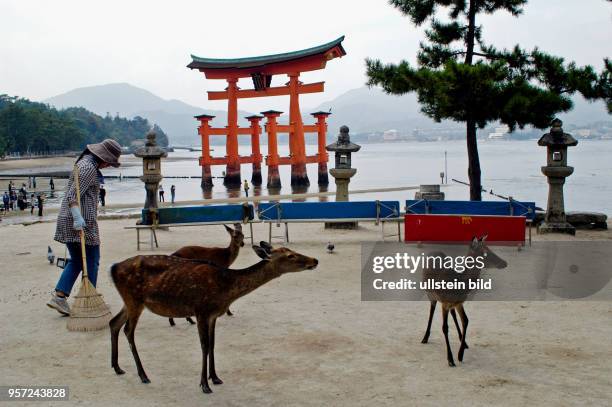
x=341 y=225
x=343 y=177
x=559 y=227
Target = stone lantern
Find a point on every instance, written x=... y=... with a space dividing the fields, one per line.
x=342 y=171
x=556 y=170
x=151 y=156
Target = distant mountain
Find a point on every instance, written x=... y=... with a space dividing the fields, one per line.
x=173 y=116
x=366 y=110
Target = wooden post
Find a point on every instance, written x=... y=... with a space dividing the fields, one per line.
x=299 y=176
x=322 y=156
x=255 y=151
x=272 y=157
x=205 y=159
x=232 y=172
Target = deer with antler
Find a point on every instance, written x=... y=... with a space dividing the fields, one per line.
x=177 y=288
x=221 y=256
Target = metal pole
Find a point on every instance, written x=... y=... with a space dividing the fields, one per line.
x=445 y=169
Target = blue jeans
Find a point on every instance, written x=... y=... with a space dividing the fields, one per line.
x=75 y=265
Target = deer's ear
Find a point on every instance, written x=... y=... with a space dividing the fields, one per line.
x=265 y=245
x=483 y=238
x=229 y=230
x=238 y=227
x=475 y=242
x=261 y=252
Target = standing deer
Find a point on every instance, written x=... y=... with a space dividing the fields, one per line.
x=452 y=299
x=174 y=287
x=221 y=256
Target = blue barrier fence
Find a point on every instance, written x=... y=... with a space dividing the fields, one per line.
x=328 y=210
x=210 y=213
x=499 y=208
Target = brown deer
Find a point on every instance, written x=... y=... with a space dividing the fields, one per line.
x=174 y=287
x=221 y=256
x=452 y=299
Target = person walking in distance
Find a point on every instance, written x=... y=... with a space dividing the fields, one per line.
x=73 y=219
x=39 y=198
x=102 y=195
x=32 y=204
x=161 y=193
x=246 y=188
x=6 y=200
x=172 y=193
x=51 y=184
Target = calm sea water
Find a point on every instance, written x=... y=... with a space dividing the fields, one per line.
x=508 y=167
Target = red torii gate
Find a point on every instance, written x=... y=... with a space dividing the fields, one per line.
x=261 y=69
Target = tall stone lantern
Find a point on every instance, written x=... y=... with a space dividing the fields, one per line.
x=151 y=156
x=556 y=170
x=342 y=171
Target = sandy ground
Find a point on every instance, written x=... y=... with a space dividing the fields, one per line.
x=303 y=339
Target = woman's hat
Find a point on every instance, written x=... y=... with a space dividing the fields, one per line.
x=108 y=151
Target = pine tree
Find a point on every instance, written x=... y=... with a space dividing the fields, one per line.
x=461 y=78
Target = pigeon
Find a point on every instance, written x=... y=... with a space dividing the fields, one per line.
x=330 y=247
x=50 y=255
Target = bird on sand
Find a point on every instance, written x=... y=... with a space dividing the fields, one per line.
x=50 y=255
x=330 y=247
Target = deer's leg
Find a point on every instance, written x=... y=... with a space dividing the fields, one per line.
x=171 y=320
x=454 y=315
x=449 y=352
x=190 y=320
x=211 y=355
x=115 y=326
x=129 y=329
x=432 y=308
x=204 y=332
x=464 y=322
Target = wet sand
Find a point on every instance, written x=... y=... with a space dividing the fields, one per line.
x=303 y=339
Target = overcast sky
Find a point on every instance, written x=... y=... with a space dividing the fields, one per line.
x=50 y=47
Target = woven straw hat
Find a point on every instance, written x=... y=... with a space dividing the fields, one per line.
x=108 y=151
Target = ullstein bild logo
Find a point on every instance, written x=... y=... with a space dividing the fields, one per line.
x=545 y=271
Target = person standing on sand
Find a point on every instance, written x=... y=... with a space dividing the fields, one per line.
x=40 y=204
x=34 y=182
x=72 y=219
x=32 y=204
x=102 y=195
x=51 y=184
x=13 y=195
x=161 y=193
x=172 y=193
x=246 y=188
x=6 y=200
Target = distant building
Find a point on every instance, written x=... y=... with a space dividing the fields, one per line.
x=584 y=133
x=391 y=135
x=501 y=133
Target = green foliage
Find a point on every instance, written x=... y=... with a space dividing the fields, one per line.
x=456 y=81
x=27 y=126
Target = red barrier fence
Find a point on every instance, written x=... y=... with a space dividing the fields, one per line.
x=462 y=228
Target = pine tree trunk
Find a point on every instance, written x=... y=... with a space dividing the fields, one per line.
x=473 y=162
x=472 y=144
x=471 y=33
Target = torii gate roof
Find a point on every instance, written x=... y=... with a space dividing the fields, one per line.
x=305 y=60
